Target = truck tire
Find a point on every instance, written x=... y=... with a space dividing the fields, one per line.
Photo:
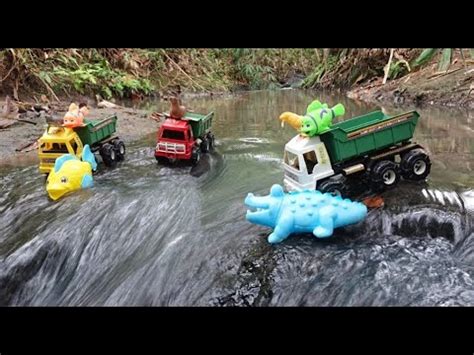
x=108 y=154
x=196 y=156
x=384 y=174
x=119 y=147
x=212 y=143
x=205 y=145
x=334 y=187
x=415 y=165
x=161 y=160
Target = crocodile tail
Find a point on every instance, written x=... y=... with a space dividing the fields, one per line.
x=292 y=119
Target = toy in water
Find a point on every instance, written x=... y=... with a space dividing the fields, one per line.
x=302 y=212
x=374 y=148
x=71 y=174
x=185 y=139
x=317 y=120
x=100 y=135
x=75 y=116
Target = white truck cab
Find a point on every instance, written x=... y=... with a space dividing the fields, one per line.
x=306 y=161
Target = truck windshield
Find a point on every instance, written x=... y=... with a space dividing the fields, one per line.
x=169 y=134
x=54 y=148
x=310 y=160
x=292 y=160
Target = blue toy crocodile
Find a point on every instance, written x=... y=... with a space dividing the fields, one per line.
x=302 y=212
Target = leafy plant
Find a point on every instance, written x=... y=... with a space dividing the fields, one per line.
x=446 y=57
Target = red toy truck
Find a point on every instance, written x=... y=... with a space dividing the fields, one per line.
x=185 y=139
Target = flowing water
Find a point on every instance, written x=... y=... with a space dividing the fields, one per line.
x=150 y=235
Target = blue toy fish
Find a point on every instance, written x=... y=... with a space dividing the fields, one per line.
x=71 y=174
x=302 y=212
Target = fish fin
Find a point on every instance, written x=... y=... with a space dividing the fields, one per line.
x=338 y=110
x=89 y=157
x=87 y=181
x=315 y=105
x=60 y=161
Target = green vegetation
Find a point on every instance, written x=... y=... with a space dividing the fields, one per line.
x=127 y=72
x=446 y=57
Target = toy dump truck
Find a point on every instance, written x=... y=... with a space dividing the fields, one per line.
x=375 y=148
x=98 y=134
x=185 y=138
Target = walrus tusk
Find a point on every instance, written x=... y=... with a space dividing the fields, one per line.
x=292 y=119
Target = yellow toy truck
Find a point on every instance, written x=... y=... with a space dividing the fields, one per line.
x=98 y=134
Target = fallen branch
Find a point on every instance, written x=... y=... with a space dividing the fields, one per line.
x=49 y=88
x=6 y=123
x=32 y=147
x=26 y=145
x=439 y=74
x=107 y=104
x=387 y=67
x=8 y=74
x=182 y=71
x=26 y=121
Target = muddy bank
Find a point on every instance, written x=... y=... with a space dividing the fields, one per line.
x=133 y=124
x=454 y=88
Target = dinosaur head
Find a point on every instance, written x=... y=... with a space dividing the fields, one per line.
x=264 y=209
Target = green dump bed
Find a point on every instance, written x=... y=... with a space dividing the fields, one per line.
x=97 y=130
x=369 y=133
x=200 y=124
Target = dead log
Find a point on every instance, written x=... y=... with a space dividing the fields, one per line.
x=26 y=145
x=27 y=121
x=6 y=123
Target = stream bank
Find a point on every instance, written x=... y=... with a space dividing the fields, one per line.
x=454 y=88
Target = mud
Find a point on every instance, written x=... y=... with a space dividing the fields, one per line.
x=454 y=88
x=132 y=125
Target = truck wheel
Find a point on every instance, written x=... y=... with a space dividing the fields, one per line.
x=161 y=160
x=196 y=156
x=415 y=165
x=107 y=152
x=212 y=143
x=119 y=147
x=333 y=187
x=384 y=174
x=205 y=145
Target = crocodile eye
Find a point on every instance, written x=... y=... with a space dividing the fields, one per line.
x=64 y=179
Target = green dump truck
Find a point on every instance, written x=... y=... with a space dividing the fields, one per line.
x=100 y=135
x=375 y=148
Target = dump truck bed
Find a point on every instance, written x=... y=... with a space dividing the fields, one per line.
x=97 y=130
x=369 y=133
x=200 y=124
